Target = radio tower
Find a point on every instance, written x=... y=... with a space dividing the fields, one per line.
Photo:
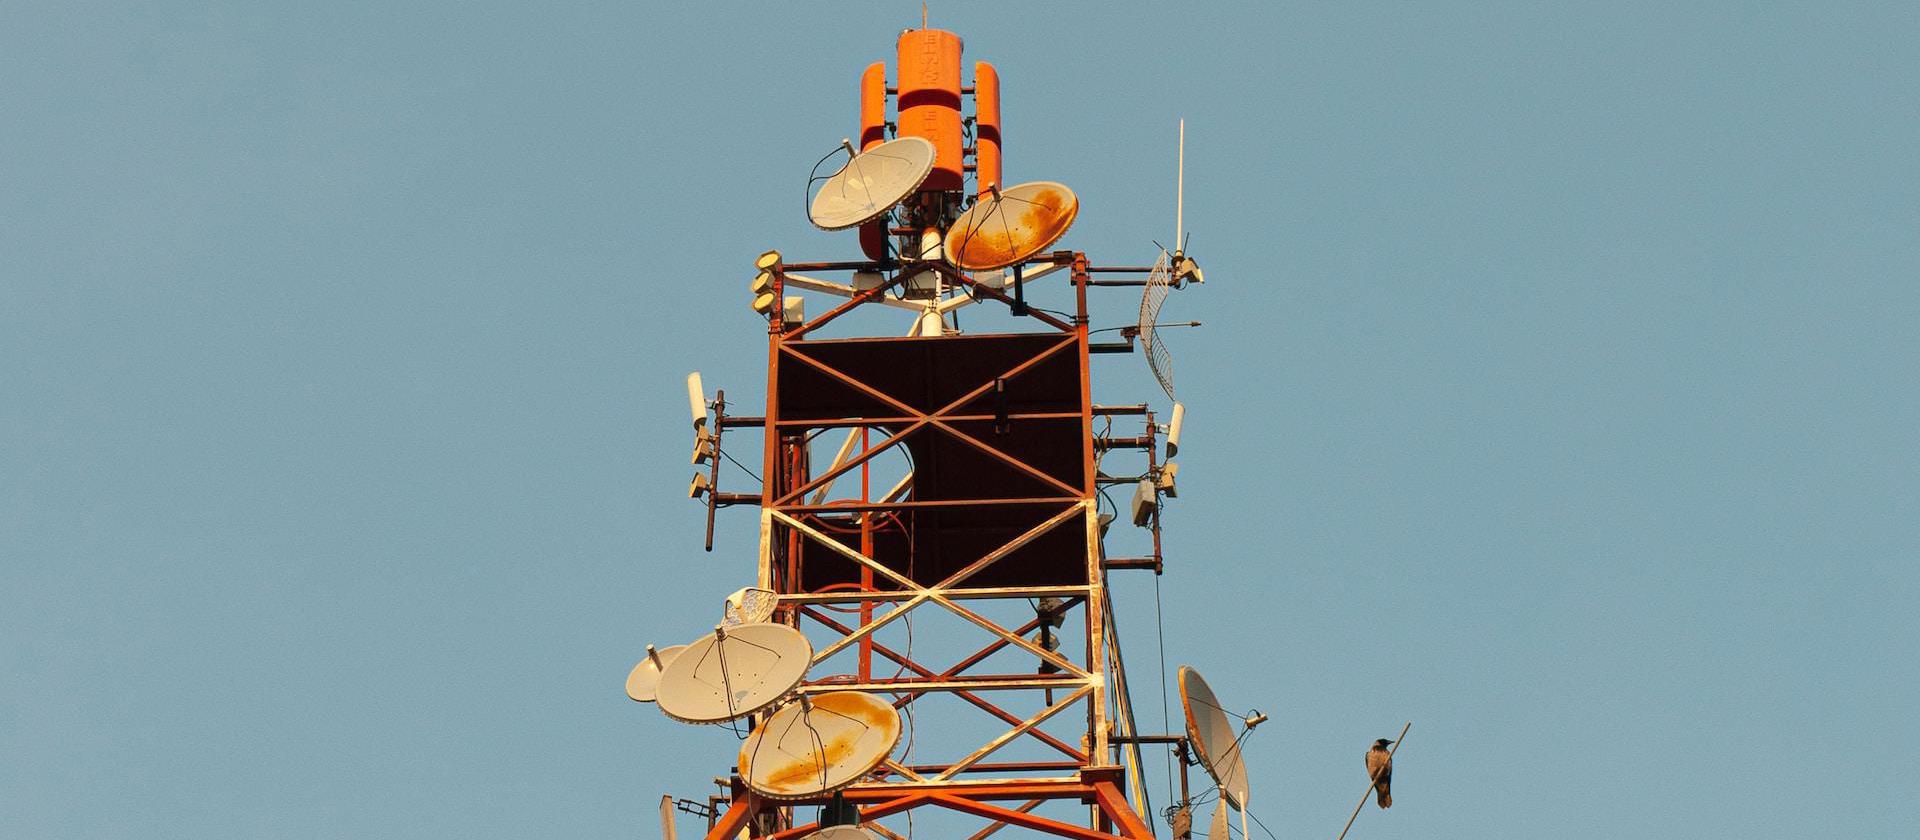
x=967 y=486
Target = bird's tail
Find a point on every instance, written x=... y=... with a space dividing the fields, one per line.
x=1383 y=797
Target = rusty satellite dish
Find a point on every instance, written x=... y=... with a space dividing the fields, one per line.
x=1010 y=226
x=733 y=672
x=1211 y=732
x=871 y=183
x=643 y=681
x=818 y=745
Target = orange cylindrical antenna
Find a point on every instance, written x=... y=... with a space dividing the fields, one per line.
x=986 y=127
x=873 y=132
x=873 y=105
x=929 y=101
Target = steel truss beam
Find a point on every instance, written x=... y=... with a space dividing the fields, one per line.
x=790 y=523
x=922 y=594
x=921 y=419
x=977 y=799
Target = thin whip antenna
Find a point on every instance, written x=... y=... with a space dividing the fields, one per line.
x=1371 y=781
x=1180 y=188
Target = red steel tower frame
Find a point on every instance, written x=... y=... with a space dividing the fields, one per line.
x=1001 y=506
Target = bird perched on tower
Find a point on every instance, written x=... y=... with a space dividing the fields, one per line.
x=1380 y=769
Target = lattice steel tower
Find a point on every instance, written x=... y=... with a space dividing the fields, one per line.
x=978 y=460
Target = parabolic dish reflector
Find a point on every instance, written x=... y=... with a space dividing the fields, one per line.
x=871 y=183
x=1211 y=732
x=1159 y=280
x=819 y=745
x=644 y=680
x=1012 y=226
x=734 y=672
x=842 y=832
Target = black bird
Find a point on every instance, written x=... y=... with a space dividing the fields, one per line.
x=1380 y=769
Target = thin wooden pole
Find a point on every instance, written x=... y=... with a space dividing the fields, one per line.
x=1373 y=779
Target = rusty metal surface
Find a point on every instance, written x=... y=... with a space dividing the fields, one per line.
x=824 y=744
x=1019 y=223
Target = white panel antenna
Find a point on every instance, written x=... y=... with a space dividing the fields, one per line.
x=697 y=400
x=1145 y=502
x=1173 y=429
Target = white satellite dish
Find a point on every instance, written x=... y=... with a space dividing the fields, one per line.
x=1211 y=732
x=643 y=681
x=871 y=183
x=818 y=745
x=842 y=832
x=733 y=672
x=1009 y=226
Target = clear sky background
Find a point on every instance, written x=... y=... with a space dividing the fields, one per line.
x=1557 y=393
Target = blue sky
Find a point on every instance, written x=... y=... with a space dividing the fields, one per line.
x=1556 y=394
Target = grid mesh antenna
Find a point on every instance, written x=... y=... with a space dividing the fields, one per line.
x=1159 y=282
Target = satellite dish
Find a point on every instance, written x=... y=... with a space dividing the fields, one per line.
x=842 y=832
x=644 y=680
x=750 y=606
x=1009 y=226
x=818 y=745
x=733 y=672
x=1211 y=732
x=871 y=183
